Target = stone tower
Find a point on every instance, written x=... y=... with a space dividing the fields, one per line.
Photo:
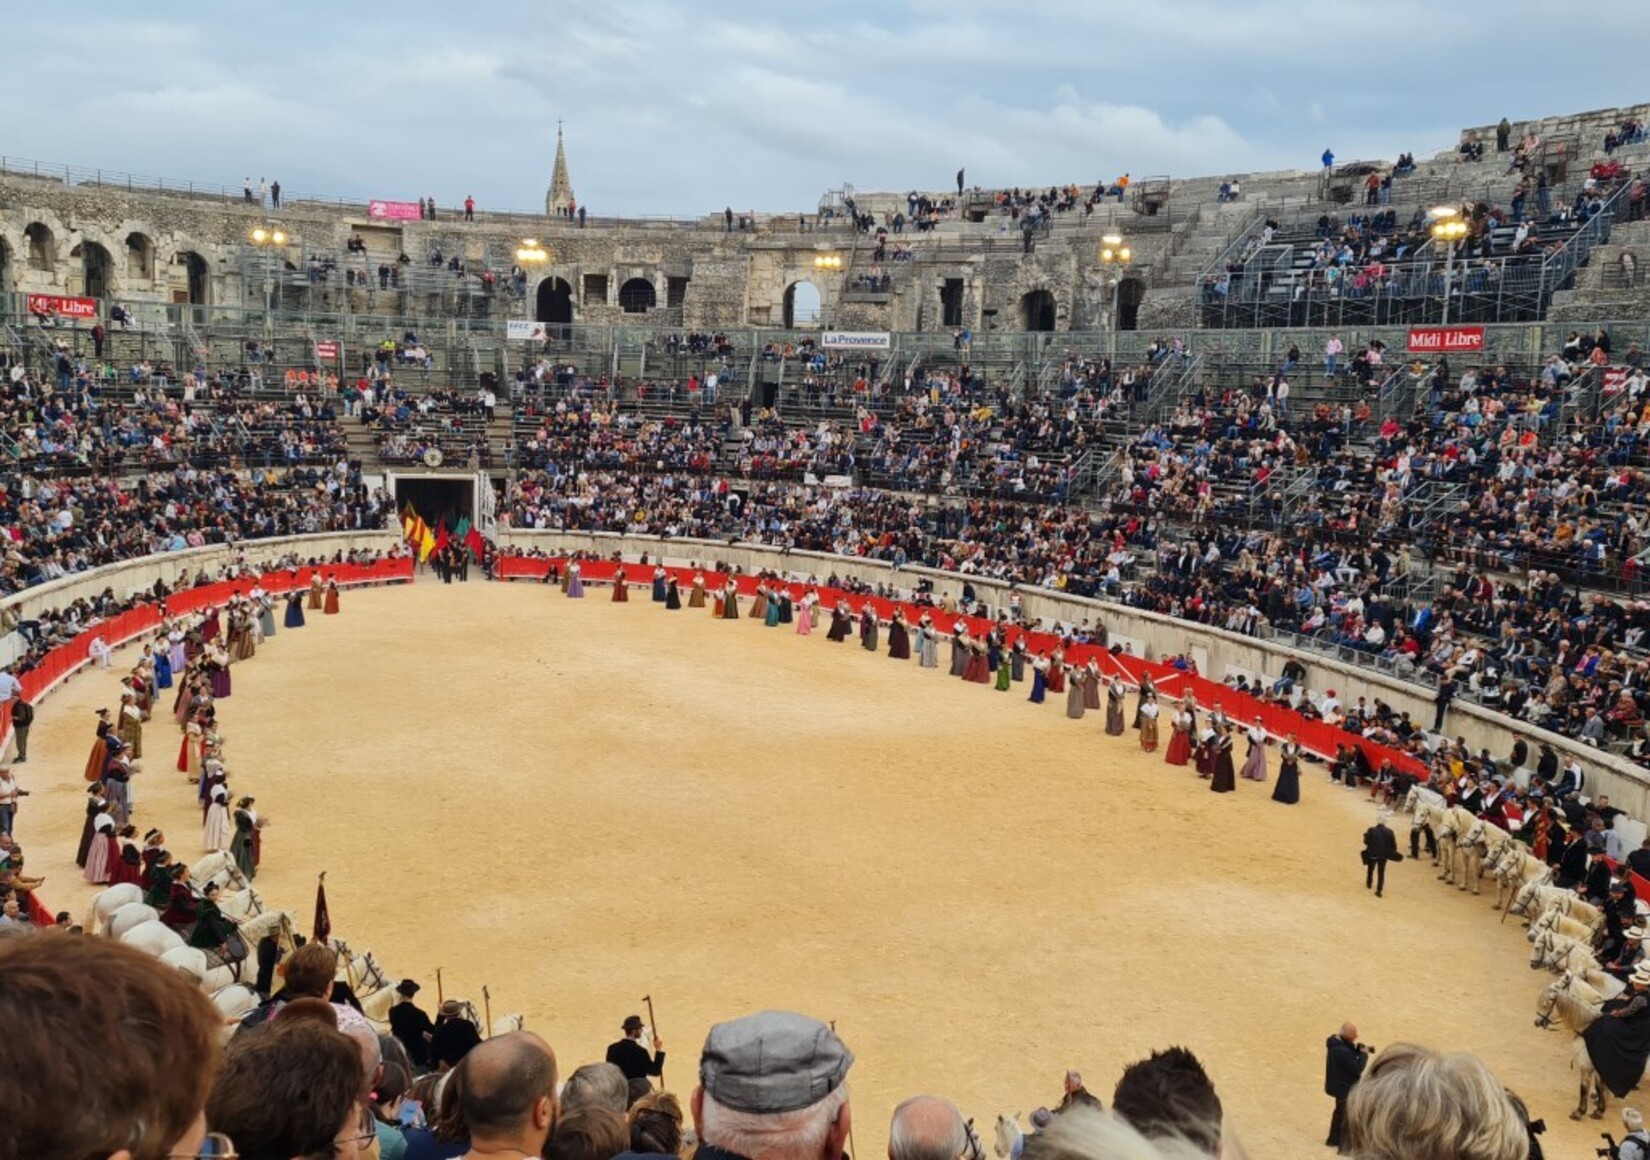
x=561 y=187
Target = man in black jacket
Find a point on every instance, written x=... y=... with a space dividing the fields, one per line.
x=410 y=1024
x=630 y=1057
x=1380 y=847
x=1343 y=1067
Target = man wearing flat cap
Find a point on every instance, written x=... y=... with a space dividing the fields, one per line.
x=630 y=1057
x=772 y=1086
x=409 y=1023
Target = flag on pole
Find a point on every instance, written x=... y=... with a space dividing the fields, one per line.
x=323 y=917
x=426 y=542
x=461 y=530
x=441 y=536
x=474 y=541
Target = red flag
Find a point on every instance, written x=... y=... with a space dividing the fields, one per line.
x=323 y=917
x=474 y=541
x=441 y=536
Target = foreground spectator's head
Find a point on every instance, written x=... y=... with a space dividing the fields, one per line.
x=927 y=1128
x=1416 y=1104
x=596 y=1085
x=508 y=1094
x=290 y=1088
x=591 y=1133
x=1086 y=1134
x=656 y=1124
x=1168 y=1096
x=773 y=1086
x=108 y=1052
x=310 y=972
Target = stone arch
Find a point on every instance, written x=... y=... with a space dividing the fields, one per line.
x=96 y=268
x=637 y=296
x=804 y=305
x=554 y=302
x=42 y=246
x=197 y=278
x=1131 y=292
x=1038 y=311
x=140 y=256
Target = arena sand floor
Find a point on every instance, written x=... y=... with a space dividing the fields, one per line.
x=576 y=803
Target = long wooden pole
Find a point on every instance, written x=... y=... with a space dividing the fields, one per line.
x=653 y=1030
x=487 y=1007
x=439 y=996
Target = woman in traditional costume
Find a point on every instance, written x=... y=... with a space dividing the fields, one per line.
x=575 y=580
x=176 y=655
x=1288 y=789
x=978 y=669
x=182 y=907
x=96 y=805
x=1184 y=725
x=868 y=626
x=1254 y=761
x=804 y=617
x=661 y=585
x=216 y=832
x=105 y=850
x=128 y=868
x=1147 y=714
x=770 y=615
x=696 y=591
x=1039 y=679
x=130 y=727
x=163 y=665
x=317 y=592
x=217 y=672
x=673 y=595
x=1091 y=685
x=294 y=609
x=213 y=928
x=1005 y=677
x=1115 y=692
x=621 y=589
x=959 y=649
x=266 y=613
x=928 y=643
x=1223 y=780
x=330 y=606
x=841 y=618
x=191 y=752
x=1076 y=703
x=1057 y=672
x=785 y=604
x=1017 y=660
x=241 y=846
x=1148 y=688
x=730 y=600
x=117 y=783
x=759 y=606
x=99 y=756
x=899 y=637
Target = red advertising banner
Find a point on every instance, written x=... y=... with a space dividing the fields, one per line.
x=326 y=351
x=56 y=304
x=1446 y=339
x=394 y=210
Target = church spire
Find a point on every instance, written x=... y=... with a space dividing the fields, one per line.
x=561 y=186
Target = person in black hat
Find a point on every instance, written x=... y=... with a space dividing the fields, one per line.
x=630 y=1057
x=410 y=1025
x=770 y=1082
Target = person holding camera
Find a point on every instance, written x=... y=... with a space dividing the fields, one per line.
x=1635 y=1145
x=1343 y=1067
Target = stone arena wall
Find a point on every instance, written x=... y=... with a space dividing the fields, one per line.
x=1147 y=634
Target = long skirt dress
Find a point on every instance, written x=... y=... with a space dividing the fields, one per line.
x=839 y=626
x=1091 y=691
x=1017 y=665
x=978 y=669
x=329 y=606
x=770 y=619
x=1074 y=698
x=216 y=833
x=759 y=606
x=163 y=671
x=928 y=650
x=673 y=598
x=266 y=619
x=1114 y=715
x=1056 y=679
x=959 y=657
x=294 y=611
x=1224 y=780
x=222 y=683
x=1004 y=679
x=1180 y=748
x=178 y=658
x=1205 y=758
x=1288 y=788
x=730 y=604
x=660 y=589
x=899 y=642
x=804 y=624
x=97 y=760
x=240 y=846
x=696 y=596
x=316 y=596
x=101 y=858
x=785 y=608
x=621 y=590
x=1254 y=762
x=1039 y=686
x=868 y=630
x=1148 y=733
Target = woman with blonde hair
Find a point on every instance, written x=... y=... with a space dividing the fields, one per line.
x=1414 y=1103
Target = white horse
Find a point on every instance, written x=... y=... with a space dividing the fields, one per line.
x=1559 y=954
x=194 y=962
x=1558 y=923
x=1514 y=870
x=234 y=1001
x=128 y=916
x=278 y=922
x=220 y=868
x=1485 y=843
x=1461 y=859
x=110 y=900
x=1010 y=1139
x=1537 y=898
x=155 y=938
x=241 y=904
x=1577 y=1006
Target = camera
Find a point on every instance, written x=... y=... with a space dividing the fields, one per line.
x=1610 y=1152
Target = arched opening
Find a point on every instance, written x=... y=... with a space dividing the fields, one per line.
x=140 y=257
x=1131 y=292
x=196 y=279
x=802 y=306
x=637 y=296
x=555 y=302
x=94 y=270
x=42 y=246
x=1037 y=311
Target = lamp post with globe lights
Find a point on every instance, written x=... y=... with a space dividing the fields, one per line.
x=1114 y=258
x=270 y=242
x=1447 y=227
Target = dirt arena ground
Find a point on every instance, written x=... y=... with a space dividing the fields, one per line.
x=577 y=803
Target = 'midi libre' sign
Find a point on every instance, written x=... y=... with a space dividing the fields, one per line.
x=1446 y=339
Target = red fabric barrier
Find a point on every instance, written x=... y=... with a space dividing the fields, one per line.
x=1313 y=736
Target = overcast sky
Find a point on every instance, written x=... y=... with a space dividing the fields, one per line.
x=678 y=108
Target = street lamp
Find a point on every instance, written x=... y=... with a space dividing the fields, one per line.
x=824 y=262
x=531 y=253
x=269 y=242
x=1114 y=255
x=1447 y=227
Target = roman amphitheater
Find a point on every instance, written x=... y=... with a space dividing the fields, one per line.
x=1294 y=448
